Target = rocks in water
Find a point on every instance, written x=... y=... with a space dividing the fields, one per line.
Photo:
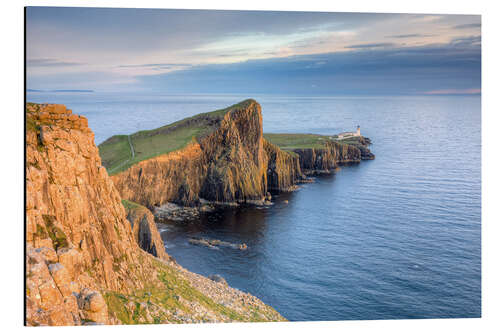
x=173 y=212
x=217 y=278
x=307 y=180
x=285 y=202
x=203 y=242
x=216 y=243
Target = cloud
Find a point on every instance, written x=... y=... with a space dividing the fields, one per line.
x=410 y=36
x=369 y=45
x=466 y=41
x=468 y=26
x=192 y=45
x=367 y=71
x=46 y=62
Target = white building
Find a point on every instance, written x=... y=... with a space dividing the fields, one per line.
x=344 y=135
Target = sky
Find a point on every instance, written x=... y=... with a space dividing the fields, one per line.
x=213 y=51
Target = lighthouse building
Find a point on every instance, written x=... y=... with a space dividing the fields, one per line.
x=350 y=134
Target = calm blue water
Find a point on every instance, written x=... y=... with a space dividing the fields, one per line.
x=396 y=237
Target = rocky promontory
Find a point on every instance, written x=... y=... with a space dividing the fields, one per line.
x=86 y=263
x=222 y=157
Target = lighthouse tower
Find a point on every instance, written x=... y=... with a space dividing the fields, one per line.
x=358 y=131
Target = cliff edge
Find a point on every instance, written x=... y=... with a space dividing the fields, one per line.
x=85 y=262
x=220 y=157
x=223 y=163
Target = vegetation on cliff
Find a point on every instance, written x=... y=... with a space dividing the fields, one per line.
x=290 y=142
x=224 y=158
x=119 y=152
x=86 y=262
x=227 y=163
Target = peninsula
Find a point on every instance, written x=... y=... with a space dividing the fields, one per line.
x=220 y=157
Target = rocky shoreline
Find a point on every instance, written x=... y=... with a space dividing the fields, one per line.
x=216 y=243
x=94 y=258
x=95 y=255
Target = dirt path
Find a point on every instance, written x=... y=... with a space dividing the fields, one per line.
x=131 y=147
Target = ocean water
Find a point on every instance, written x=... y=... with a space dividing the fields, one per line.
x=396 y=237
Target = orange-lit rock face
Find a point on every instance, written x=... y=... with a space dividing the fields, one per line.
x=233 y=163
x=283 y=169
x=326 y=159
x=145 y=232
x=228 y=165
x=79 y=241
x=82 y=251
x=86 y=254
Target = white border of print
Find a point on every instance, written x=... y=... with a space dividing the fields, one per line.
x=11 y=164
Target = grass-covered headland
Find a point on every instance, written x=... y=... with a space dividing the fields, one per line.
x=119 y=152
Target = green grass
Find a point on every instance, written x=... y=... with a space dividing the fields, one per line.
x=297 y=141
x=167 y=296
x=350 y=141
x=129 y=205
x=58 y=237
x=116 y=154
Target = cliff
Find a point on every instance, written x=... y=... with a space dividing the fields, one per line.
x=84 y=264
x=226 y=163
x=222 y=157
x=283 y=168
x=318 y=154
x=327 y=158
x=144 y=229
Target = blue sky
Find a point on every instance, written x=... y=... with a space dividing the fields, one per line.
x=195 y=51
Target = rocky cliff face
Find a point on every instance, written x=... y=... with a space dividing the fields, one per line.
x=324 y=160
x=283 y=168
x=228 y=164
x=144 y=230
x=231 y=163
x=83 y=262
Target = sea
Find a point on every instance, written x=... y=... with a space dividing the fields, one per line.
x=393 y=238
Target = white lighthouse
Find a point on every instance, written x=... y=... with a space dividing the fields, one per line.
x=344 y=135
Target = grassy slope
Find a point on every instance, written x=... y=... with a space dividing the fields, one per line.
x=168 y=298
x=116 y=154
x=296 y=141
x=300 y=141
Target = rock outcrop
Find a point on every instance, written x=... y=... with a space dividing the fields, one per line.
x=144 y=230
x=84 y=264
x=231 y=163
x=324 y=160
x=283 y=168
